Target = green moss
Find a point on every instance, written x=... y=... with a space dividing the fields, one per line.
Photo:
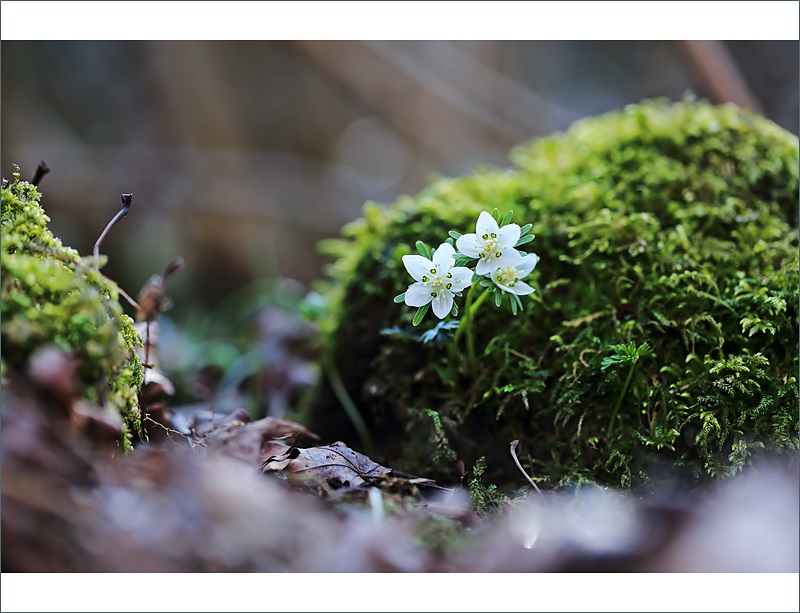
x=668 y=224
x=51 y=295
x=485 y=499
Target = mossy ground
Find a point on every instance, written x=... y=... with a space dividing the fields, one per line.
x=50 y=295
x=668 y=224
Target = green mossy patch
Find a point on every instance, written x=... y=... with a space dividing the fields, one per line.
x=50 y=295
x=668 y=224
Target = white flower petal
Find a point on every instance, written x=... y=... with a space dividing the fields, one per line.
x=417 y=266
x=521 y=289
x=508 y=235
x=462 y=277
x=418 y=294
x=484 y=267
x=508 y=279
x=470 y=245
x=442 y=303
x=444 y=256
x=510 y=257
x=527 y=265
x=486 y=225
x=505 y=288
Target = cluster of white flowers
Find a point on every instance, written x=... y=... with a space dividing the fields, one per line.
x=437 y=280
x=441 y=275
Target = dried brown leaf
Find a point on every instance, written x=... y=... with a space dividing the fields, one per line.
x=151 y=298
x=335 y=465
x=201 y=422
x=246 y=441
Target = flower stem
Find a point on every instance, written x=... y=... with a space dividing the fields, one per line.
x=619 y=400
x=466 y=323
x=467 y=305
x=347 y=404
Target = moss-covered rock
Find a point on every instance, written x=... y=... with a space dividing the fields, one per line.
x=50 y=295
x=668 y=224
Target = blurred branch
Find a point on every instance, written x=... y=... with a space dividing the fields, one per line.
x=524 y=113
x=444 y=88
x=397 y=90
x=719 y=75
x=486 y=105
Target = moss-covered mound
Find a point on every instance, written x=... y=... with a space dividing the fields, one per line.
x=51 y=296
x=673 y=225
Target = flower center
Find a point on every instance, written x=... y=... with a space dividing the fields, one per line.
x=491 y=246
x=438 y=279
x=507 y=275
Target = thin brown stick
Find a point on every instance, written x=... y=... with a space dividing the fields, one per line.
x=146 y=346
x=124 y=294
x=194 y=441
x=522 y=470
x=126 y=206
x=146 y=365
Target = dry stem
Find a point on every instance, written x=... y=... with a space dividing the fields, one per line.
x=522 y=470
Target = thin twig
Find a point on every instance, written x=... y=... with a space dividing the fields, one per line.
x=151 y=299
x=168 y=429
x=124 y=294
x=126 y=206
x=146 y=348
x=522 y=470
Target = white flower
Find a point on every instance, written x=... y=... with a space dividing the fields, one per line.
x=491 y=244
x=436 y=280
x=509 y=277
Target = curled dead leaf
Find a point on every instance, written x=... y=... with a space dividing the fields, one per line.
x=200 y=422
x=151 y=298
x=248 y=441
x=335 y=465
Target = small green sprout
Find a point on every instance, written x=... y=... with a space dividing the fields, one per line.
x=624 y=354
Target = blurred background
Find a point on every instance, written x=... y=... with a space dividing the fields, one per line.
x=241 y=155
